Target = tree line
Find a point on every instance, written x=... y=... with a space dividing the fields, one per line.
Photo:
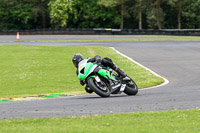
x=123 y=14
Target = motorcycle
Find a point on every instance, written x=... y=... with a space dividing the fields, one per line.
x=103 y=80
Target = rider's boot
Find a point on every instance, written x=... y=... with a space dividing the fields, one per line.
x=119 y=71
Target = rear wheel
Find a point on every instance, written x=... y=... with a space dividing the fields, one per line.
x=131 y=88
x=100 y=88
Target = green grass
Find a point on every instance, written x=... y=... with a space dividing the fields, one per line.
x=145 y=122
x=31 y=70
x=117 y=40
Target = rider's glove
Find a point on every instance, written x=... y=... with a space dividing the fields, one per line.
x=82 y=83
x=98 y=59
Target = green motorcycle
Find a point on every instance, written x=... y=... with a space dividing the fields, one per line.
x=104 y=81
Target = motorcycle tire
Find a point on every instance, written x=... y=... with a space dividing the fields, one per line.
x=131 y=89
x=93 y=85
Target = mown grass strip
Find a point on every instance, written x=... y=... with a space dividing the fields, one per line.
x=32 y=70
x=111 y=40
x=4 y=100
x=39 y=97
x=145 y=122
x=56 y=95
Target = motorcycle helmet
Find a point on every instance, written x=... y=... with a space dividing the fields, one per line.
x=76 y=59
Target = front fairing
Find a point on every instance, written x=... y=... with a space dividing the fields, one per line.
x=106 y=74
x=85 y=68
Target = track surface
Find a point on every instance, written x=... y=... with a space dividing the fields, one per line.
x=178 y=61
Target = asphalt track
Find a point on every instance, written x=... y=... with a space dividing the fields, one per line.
x=177 y=61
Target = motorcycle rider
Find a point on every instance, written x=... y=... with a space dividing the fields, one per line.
x=106 y=62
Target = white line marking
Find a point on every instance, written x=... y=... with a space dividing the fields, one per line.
x=166 y=81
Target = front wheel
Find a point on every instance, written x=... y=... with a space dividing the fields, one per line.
x=131 y=88
x=100 y=88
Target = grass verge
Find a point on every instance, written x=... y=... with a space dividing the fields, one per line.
x=30 y=70
x=145 y=122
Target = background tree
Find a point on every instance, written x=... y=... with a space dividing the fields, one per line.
x=177 y=4
x=61 y=11
x=92 y=15
x=40 y=12
x=15 y=14
x=79 y=14
x=114 y=3
x=130 y=14
x=155 y=14
x=138 y=9
x=191 y=14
